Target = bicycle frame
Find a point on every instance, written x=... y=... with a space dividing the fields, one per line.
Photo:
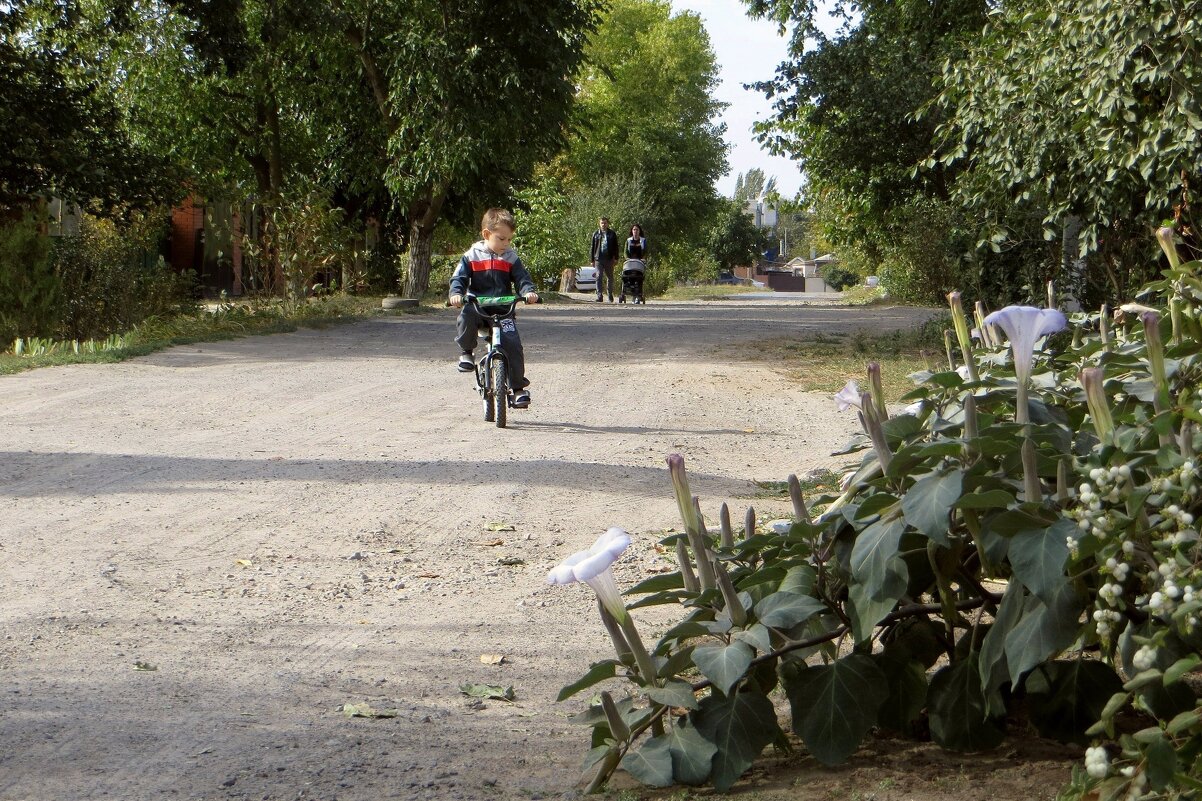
x=484 y=363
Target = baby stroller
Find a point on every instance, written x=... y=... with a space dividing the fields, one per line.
x=632 y=281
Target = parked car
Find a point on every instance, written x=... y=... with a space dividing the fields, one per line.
x=586 y=279
x=727 y=277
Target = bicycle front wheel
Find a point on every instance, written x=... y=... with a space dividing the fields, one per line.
x=500 y=391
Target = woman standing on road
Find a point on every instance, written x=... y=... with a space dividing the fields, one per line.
x=636 y=245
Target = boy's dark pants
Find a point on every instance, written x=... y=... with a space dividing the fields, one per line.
x=605 y=269
x=511 y=343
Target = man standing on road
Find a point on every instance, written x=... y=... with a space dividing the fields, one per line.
x=602 y=255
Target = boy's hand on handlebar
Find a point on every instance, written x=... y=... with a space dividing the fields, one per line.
x=532 y=297
x=456 y=300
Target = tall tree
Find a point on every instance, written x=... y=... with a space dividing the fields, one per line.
x=733 y=238
x=646 y=109
x=63 y=134
x=847 y=108
x=469 y=96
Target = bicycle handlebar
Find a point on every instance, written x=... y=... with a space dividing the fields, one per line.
x=511 y=301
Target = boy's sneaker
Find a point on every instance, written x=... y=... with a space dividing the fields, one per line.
x=466 y=363
x=522 y=399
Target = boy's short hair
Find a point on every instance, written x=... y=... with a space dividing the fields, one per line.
x=494 y=217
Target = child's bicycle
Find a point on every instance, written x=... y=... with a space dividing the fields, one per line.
x=492 y=371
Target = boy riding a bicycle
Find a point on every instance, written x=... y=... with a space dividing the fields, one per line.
x=491 y=268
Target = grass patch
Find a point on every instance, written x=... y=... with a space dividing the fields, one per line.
x=706 y=292
x=825 y=362
x=229 y=321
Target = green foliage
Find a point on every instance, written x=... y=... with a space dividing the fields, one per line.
x=1074 y=110
x=303 y=246
x=733 y=238
x=682 y=263
x=645 y=108
x=921 y=258
x=30 y=295
x=1079 y=496
x=846 y=109
x=64 y=133
x=547 y=240
x=838 y=278
x=110 y=280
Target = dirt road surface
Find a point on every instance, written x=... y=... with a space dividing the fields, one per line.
x=208 y=551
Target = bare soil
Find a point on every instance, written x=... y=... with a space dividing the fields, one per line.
x=207 y=552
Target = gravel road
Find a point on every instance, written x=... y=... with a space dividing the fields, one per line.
x=208 y=551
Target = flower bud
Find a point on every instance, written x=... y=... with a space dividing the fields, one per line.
x=734 y=607
x=617 y=726
x=1164 y=235
x=686 y=566
x=961 y=325
x=1155 y=349
x=877 y=390
x=799 y=504
x=1095 y=398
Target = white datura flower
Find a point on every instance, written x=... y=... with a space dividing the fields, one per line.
x=848 y=397
x=593 y=568
x=1023 y=326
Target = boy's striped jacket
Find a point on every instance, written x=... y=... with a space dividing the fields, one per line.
x=482 y=272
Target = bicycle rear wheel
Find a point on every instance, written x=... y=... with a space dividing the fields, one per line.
x=500 y=391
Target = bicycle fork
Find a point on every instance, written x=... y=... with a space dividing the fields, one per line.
x=484 y=366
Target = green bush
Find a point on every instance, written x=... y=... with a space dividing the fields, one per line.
x=838 y=278
x=685 y=264
x=108 y=283
x=30 y=292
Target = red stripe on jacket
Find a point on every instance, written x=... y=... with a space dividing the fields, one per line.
x=490 y=264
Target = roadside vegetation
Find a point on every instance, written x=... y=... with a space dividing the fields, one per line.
x=220 y=322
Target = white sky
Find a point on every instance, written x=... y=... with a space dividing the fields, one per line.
x=747 y=51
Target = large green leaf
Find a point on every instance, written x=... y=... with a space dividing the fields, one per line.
x=1044 y=631
x=692 y=754
x=740 y=726
x=799 y=579
x=927 y=503
x=906 y=682
x=835 y=705
x=1069 y=696
x=782 y=610
x=992 y=659
x=651 y=764
x=674 y=693
x=600 y=671
x=660 y=583
x=1038 y=557
x=957 y=709
x=865 y=612
x=724 y=665
x=874 y=559
x=989 y=499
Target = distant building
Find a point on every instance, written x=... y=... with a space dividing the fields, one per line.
x=795 y=275
x=762 y=213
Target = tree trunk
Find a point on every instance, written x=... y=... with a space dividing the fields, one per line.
x=423 y=216
x=1072 y=265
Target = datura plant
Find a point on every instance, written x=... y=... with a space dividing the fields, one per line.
x=1022 y=538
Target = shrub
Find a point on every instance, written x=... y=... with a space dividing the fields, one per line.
x=1056 y=489
x=838 y=278
x=30 y=292
x=109 y=281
